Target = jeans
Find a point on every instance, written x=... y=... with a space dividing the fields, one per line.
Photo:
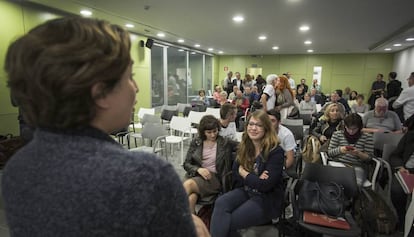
x=237 y=210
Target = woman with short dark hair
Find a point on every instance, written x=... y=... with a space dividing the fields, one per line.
x=73 y=79
x=208 y=159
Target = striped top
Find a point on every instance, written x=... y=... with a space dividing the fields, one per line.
x=365 y=144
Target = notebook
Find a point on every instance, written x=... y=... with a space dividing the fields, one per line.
x=324 y=220
x=406 y=181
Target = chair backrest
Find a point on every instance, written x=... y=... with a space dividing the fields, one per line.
x=181 y=107
x=344 y=176
x=306 y=117
x=195 y=116
x=213 y=111
x=386 y=138
x=143 y=111
x=167 y=114
x=150 y=118
x=295 y=126
x=387 y=150
x=152 y=131
x=180 y=124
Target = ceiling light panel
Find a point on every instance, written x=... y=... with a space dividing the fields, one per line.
x=238 y=18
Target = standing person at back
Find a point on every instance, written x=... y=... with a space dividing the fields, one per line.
x=268 y=98
x=228 y=82
x=238 y=82
x=73 y=79
x=291 y=81
x=393 y=86
x=406 y=98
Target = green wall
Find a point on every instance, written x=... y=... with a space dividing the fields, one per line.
x=357 y=71
x=17 y=19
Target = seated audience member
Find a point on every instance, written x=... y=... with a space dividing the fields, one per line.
x=343 y=101
x=209 y=158
x=286 y=138
x=258 y=193
x=233 y=94
x=306 y=105
x=255 y=95
x=222 y=99
x=202 y=97
x=352 y=146
x=315 y=97
x=359 y=106
x=300 y=93
x=381 y=119
x=334 y=100
x=402 y=159
x=217 y=93
x=347 y=93
x=352 y=99
x=332 y=122
x=406 y=98
x=268 y=98
x=228 y=113
x=241 y=103
x=73 y=179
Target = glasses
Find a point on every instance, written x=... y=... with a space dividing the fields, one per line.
x=258 y=125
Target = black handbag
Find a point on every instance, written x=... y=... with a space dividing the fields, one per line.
x=326 y=198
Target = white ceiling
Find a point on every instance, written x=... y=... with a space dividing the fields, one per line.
x=336 y=26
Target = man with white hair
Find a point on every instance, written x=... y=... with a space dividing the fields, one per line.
x=268 y=98
x=381 y=119
x=406 y=98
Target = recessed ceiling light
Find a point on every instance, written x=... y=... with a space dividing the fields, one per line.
x=387 y=49
x=197 y=45
x=304 y=28
x=210 y=49
x=397 y=45
x=308 y=42
x=180 y=41
x=193 y=52
x=181 y=50
x=409 y=39
x=275 y=47
x=161 y=35
x=262 y=37
x=238 y=18
x=310 y=50
x=220 y=52
x=86 y=13
x=129 y=25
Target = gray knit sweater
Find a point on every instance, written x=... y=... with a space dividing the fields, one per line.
x=83 y=183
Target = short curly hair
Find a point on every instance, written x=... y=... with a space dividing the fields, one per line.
x=52 y=69
x=207 y=122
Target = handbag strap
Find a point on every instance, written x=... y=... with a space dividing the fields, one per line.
x=339 y=194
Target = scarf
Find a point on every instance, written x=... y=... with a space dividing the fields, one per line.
x=352 y=139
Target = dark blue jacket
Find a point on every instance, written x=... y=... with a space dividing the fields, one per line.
x=270 y=190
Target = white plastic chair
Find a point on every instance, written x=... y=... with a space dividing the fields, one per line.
x=156 y=135
x=179 y=127
x=140 y=115
x=147 y=118
x=213 y=111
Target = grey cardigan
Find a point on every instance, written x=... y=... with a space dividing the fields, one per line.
x=83 y=183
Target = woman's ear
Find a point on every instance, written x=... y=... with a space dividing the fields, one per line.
x=99 y=96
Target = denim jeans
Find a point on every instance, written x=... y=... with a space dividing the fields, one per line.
x=237 y=210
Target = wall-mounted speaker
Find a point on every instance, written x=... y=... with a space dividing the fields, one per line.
x=149 y=43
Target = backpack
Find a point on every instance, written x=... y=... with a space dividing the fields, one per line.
x=310 y=151
x=374 y=214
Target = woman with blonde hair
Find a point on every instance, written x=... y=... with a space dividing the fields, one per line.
x=257 y=174
x=284 y=97
x=331 y=121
